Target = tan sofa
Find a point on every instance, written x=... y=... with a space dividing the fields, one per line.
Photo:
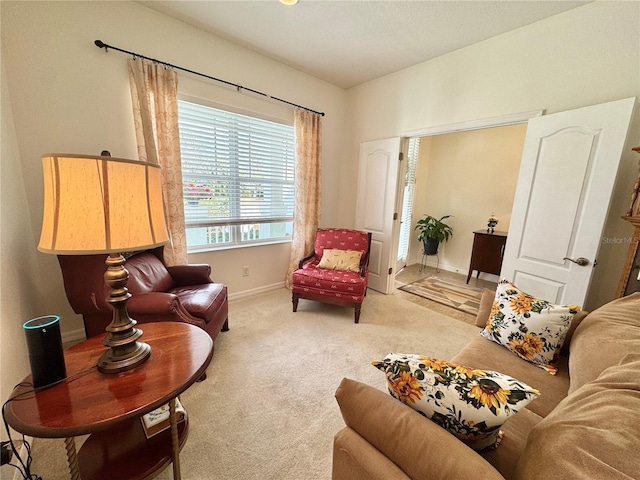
x=585 y=424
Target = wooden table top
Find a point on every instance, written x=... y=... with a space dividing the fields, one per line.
x=90 y=401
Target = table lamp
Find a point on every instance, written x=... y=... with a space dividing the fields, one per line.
x=100 y=204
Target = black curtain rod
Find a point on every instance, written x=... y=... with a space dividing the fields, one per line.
x=101 y=44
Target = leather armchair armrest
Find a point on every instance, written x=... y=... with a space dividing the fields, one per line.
x=157 y=303
x=192 y=274
x=414 y=443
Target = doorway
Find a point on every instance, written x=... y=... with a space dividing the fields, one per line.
x=468 y=171
x=406 y=221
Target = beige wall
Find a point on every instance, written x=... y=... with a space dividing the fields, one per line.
x=468 y=175
x=267 y=268
x=585 y=56
x=69 y=96
x=19 y=273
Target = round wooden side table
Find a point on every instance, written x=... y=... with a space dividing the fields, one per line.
x=108 y=407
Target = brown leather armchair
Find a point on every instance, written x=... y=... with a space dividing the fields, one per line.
x=181 y=293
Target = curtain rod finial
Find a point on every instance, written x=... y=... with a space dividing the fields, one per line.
x=100 y=44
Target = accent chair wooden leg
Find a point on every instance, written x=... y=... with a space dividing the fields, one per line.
x=357 y=313
x=294 y=300
x=225 y=327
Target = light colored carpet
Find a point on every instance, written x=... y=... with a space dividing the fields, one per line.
x=457 y=295
x=267 y=408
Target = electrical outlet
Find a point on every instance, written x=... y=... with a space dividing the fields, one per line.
x=7 y=454
x=245 y=271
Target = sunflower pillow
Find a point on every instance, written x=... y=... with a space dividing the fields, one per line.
x=532 y=328
x=471 y=404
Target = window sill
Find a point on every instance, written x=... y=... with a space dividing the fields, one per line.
x=214 y=248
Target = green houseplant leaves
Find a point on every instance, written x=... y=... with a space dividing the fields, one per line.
x=432 y=232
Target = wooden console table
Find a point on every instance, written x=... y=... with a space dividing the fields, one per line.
x=487 y=252
x=109 y=406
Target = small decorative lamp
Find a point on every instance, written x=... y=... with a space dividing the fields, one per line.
x=105 y=205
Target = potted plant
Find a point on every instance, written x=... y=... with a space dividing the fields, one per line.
x=433 y=231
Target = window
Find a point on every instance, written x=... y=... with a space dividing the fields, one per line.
x=237 y=174
x=407 y=202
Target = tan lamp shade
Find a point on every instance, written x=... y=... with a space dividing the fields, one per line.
x=100 y=205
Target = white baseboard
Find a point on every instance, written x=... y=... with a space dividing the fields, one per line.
x=254 y=291
x=432 y=261
x=74 y=336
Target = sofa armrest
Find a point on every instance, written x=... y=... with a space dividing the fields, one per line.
x=192 y=274
x=422 y=449
x=356 y=459
x=153 y=303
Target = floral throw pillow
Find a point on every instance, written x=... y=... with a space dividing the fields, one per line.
x=532 y=328
x=471 y=404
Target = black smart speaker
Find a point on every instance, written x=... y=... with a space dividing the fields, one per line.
x=46 y=356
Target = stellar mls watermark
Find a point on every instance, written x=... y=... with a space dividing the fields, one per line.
x=616 y=240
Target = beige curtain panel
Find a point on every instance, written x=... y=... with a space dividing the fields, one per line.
x=306 y=215
x=154 y=95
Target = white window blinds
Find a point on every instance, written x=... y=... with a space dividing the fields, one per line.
x=236 y=169
x=406 y=228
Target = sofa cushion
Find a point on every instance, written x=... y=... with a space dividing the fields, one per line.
x=470 y=403
x=335 y=259
x=485 y=306
x=577 y=320
x=354 y=458
x=603 y=338
x=516 y=432
x=593 y=433
x=532 y=328
x=487 y=355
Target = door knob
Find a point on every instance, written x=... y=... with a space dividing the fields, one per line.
x=578 y=261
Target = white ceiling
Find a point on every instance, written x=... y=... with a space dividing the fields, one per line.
x=350 y=42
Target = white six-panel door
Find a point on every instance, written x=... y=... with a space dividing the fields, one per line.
x=568 y=170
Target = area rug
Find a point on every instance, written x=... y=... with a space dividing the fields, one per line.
x=457 y=295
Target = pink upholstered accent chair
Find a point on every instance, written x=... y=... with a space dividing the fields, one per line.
x=337 y=287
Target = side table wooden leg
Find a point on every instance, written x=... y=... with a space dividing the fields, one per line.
x=175 y=442
x=72 y=458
